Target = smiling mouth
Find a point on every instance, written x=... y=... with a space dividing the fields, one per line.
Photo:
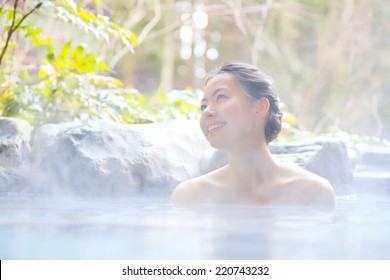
x=215 y=127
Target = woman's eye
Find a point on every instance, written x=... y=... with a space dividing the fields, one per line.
x=220 y=97
x=202 y=107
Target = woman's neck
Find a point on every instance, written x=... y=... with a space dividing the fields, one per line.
x=252 y=167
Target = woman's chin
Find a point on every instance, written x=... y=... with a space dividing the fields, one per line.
x=218 y=144
x=218 y=140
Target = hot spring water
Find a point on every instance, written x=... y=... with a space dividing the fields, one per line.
x=74 y=228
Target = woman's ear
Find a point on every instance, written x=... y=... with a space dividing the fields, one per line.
x=262 y=106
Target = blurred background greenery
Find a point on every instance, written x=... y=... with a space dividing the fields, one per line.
x=139 y=61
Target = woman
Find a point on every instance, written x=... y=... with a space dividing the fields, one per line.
x=241 y=115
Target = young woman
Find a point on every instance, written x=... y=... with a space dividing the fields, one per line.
x=241 y=115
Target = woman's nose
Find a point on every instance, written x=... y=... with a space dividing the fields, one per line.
x=209 y=111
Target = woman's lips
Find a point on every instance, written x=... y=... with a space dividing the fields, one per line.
x=214 y=127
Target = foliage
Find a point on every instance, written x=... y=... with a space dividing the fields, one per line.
x=291 y=130
x=99 y=25
x=15 y=20
x=70 y=83
x=177 y=104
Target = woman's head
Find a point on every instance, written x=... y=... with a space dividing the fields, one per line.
x=255 y=86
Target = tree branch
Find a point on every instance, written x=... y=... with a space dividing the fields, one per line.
x=10 y=32
x=141 y=38
x=156 y=18
x=14 y=27
x=236 y=7
x=26 y=15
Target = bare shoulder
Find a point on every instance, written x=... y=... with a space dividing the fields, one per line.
x=314 y=189
x=318 y=190
x=196 y=190
x=186 y=192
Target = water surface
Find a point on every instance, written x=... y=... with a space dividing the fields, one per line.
x=74 y=228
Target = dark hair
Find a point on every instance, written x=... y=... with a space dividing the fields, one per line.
x=257 y=85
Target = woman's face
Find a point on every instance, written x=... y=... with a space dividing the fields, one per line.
x=228 y=116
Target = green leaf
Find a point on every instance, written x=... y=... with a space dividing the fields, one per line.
x=133 y=39
x=77 y=52
x=10 y=15
x=87 y=16
x=46 y=41
x=24 y=75
x=50 y=54
x=33 y=32
x=99 y=25
x=102 y=66
x=73 y=5
x=42 y=74
x=3 y=12
x=64 y=51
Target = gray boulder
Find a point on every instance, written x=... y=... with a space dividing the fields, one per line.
x=17 y=182
x=372 y=173
x=103 y=157
x=325 y=157
x=14 y=141
x=331 y=161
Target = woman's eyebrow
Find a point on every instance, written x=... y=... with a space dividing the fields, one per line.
x=214 y=93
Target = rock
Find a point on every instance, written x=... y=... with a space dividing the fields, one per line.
x=14 y=141
x=16 y=182
x=372 y=173
x=103 y=157
x=374 y=182
x=327 y=158
x=379 y=157
x=331 y=161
